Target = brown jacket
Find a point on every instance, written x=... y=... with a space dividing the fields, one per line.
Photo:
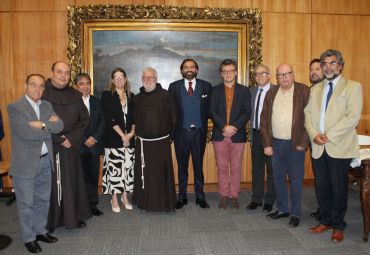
x=300 y=99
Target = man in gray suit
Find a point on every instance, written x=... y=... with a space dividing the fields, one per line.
x=260 y=161
x=32 y=121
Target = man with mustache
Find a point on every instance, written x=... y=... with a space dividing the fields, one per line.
x=331 y=117
x=190 y=134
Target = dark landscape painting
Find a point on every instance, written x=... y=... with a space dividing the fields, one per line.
x=163 y=50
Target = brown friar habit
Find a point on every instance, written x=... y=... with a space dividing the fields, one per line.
x=74 y=206
x=154 y=117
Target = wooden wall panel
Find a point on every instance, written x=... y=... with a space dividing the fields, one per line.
x=6 y=88
x=36 y=46
x=296 y=6
x=148 y=2
x=346 y=34
x=286 y=40
x=211 y=3
x=41 y=5
x=341 y=6
x=4 y=5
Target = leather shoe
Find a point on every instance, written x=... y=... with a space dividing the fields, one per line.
x=33 y=247
x=253 y=205
x=337 y=236
x=96 y=212
x=277 y=215
x=202 y=203
x=320 y=228
x=223 y=203
x=181 y=203
x=46 y=238
x=294 y=221
x=81 y=224
x=316 y=214
x=267 y=208
x=234 y=203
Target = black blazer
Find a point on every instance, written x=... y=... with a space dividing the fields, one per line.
x=204 y=91
x=96 y=127
x=113 y=114
x=239 y=115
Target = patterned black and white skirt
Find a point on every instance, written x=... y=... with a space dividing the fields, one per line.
x=118 y=170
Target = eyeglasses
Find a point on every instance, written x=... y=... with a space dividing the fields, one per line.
x=283 y=75
x=261 y=74
x=228 y=71
x=331 y=63
x=144 y=78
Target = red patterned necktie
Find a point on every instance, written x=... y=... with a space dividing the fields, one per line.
x=190 y=89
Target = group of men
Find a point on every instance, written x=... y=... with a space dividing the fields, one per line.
x=53 y=131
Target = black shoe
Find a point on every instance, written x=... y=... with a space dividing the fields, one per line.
x=181 y=203
x=96 y=212
x=267 y=208
x=253 y=205
x=277 y=215
x=81 y=224
x=202 y=203
x=294 y=221
x=46 y=238
x=316 y=214
x=33 y=247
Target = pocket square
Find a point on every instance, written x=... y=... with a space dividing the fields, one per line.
x=203 y=96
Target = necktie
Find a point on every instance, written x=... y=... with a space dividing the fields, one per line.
x=190 y=89
x=329 y=94
x=256 y=126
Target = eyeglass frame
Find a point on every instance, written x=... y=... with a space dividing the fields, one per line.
x=284 y=75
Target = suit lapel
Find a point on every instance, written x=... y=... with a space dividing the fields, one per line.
x=30 y=109
x=338 y=90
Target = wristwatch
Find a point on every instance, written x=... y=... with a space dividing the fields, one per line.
x=43 y=125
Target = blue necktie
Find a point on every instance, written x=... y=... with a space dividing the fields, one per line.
x=329 y=94
x=257 y=110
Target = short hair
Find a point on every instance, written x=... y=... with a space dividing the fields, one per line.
x=35 y=74
x=57 y=62
x=189 y=59
x=315 y=60
x=264 y=66
x=80 y=76
x=227 y=62
x=151 y=69
x=330 y=53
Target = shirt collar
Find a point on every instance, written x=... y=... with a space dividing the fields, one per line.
x=33 y=103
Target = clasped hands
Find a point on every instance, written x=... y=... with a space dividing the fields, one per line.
x=321 y=139
x=126 y=139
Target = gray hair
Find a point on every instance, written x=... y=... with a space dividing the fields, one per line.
x=330 y=53
x=151 y=69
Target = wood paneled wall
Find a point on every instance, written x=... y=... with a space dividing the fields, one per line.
x=34 y=35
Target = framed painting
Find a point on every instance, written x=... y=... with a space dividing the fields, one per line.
x=102 y=37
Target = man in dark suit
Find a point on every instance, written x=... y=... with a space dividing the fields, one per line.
x=32 y=121
x=92 y=146
x=260 y=161
x=190 y=134
x=284 y=137
x=230 y=112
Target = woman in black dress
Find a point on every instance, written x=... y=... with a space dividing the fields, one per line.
x=118 y=164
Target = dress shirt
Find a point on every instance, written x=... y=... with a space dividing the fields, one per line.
x=282 y=114
x=87 y=102
x=36 y=108
x=260 y=107
x=323 y=102
x=193 y=83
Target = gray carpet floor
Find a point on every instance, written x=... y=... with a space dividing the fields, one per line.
x=193 y=230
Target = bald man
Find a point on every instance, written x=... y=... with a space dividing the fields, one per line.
x=285 y=139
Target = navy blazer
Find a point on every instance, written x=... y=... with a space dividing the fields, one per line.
x=204 y=92
x=239 y=115
x=96 y=127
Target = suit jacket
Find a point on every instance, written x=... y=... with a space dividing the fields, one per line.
x=26 y=140
x=96 y=127
x=342 y=116
x=239 y=115
x=204 y=92
x=113 y=114
x=253 y=90
x=299 y=135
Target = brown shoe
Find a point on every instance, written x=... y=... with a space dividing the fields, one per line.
x=320 y=228
x=337 y=236
x=223 y=203
x=234 y=203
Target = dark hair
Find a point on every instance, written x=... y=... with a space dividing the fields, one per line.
x=227 y=62
x=35 y=74
x=315 y=60
x=80 y=76
x=330 y=53
x=189 y=59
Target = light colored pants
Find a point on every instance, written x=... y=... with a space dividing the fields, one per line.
x=229 y=157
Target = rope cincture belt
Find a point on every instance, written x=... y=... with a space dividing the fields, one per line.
x=59 y=183
x=142 y=153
